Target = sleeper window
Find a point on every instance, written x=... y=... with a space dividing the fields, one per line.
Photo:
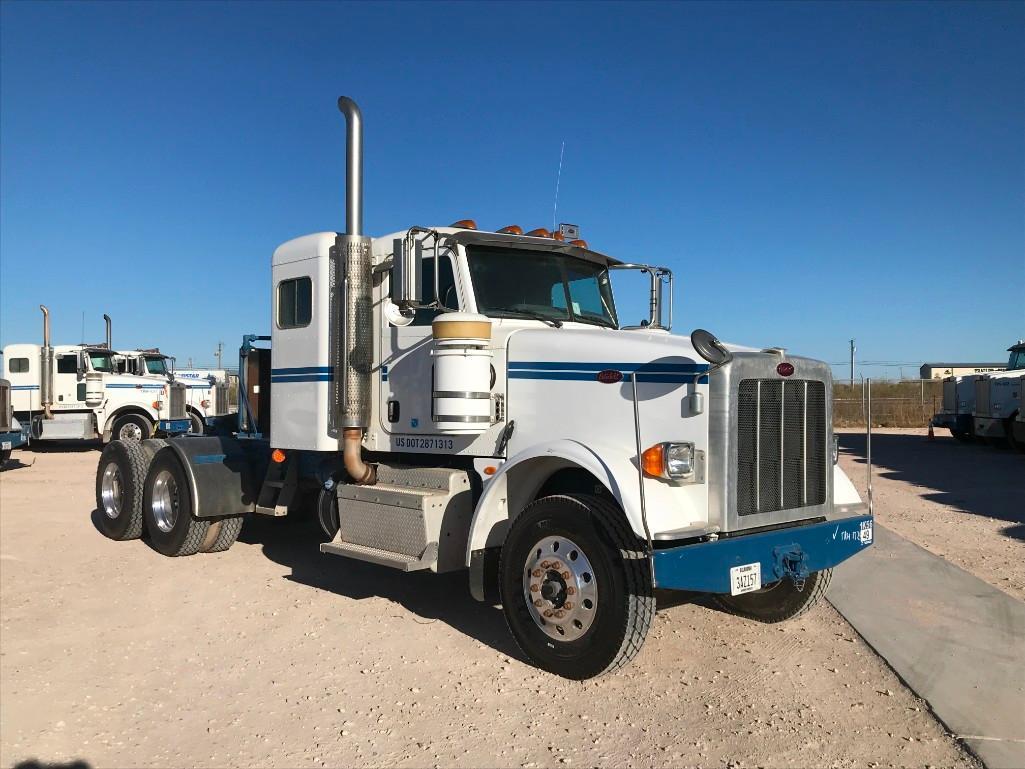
x=295 y=303
x=19 y=365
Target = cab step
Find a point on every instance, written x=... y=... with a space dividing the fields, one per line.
x=383 y=557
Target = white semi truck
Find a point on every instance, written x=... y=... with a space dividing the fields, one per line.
x=12 y=434
x=206 y=391
x=996 y=399
x=460 y=399
x=74 y=392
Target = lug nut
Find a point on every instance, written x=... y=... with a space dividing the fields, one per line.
x=571 y=590
x=560 y=614
x=538 y=603
x=547 y=612
x=544 y=564
x=536 y=573
x=534 y=588
x=568 y=605
x=565 y=575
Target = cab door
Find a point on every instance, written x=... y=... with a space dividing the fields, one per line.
x=66 y=380
x=406 y=361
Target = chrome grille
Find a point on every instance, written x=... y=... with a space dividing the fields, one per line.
x=220 y=398
x=6 y=417
x=982 y=397
x=176 y=401
x=781 y=445
x=950 y=395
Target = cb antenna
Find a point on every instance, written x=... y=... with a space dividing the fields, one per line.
x=558 y=178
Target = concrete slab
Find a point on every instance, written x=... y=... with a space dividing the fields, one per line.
x=956 y=641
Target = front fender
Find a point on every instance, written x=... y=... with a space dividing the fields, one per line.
x=518 y=480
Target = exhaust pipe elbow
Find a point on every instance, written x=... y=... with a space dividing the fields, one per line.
x=46 y=325
x=353 y=165
x=352 y=454
x=106 y=320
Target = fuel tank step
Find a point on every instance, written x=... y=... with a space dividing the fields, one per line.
x=383 y=557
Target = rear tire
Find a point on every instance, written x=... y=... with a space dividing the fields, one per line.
x=222 y=534
x=5 y=454
x=167 y=508
x=131 y=427
x=778 y=602
x=593 y=603
x=327 y=513
x=120 y=478
x=961 y=436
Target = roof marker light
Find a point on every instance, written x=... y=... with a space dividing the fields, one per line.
x=512 y=229
x=579 y=243
x=540 y=232
x=465 y=224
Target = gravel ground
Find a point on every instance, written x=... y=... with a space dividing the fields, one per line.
x=964 y=502
x=272 y=654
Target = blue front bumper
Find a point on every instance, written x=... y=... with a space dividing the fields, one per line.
x=12 y=439
x=173 y=426
x=705 y=567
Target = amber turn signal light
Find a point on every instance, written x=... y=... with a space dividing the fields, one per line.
x=465 y=224
x=277 y=456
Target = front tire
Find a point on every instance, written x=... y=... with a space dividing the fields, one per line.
x=778 y=602
x=131 y=427
x=576 y=586
x=167 y=508
x=120 y=477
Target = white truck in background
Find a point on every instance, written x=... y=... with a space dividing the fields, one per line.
x=997 y=400
x=206 y=390
x=75 y=392
x=456 y=399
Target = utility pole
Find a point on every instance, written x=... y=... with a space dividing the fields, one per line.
x=220 y=350
x=853 y=350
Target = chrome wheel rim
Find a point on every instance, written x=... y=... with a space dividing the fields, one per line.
x=560 y=588
x=110 y=490
x=130 y=432
x=166 y=501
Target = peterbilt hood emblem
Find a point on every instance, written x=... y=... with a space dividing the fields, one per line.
x=785 y=369
x=610 y=376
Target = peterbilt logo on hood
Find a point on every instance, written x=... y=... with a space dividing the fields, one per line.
x=610 y=376
x=785 y=369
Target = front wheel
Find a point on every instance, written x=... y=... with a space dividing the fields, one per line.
x=132 y=427
x=576 y=586
x=780 y=601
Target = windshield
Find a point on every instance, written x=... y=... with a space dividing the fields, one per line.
x=156 y=366
x=102 y=361
x=1016 y=361
x=511 y=283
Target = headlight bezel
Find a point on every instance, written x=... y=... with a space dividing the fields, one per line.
x=671 y=461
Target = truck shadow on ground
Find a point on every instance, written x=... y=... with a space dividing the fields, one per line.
x=428 y=597
x=973 y=478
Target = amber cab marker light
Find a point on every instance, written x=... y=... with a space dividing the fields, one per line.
x=511 y=229
x=652 y=461
x=490 y=470
x=540 y=232
x=277 y=456
x=580 y=243
x=558 y=236
x=465 y=224
x=156 y=405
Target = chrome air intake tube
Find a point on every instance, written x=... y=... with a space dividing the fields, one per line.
x=353 y=269
x=106 y=319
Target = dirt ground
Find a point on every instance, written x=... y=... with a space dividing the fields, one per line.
x=965 y=502
x=272 y=654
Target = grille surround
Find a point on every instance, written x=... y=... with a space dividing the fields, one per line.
x=220 y=398
x=982 y=400
x=176 y=401
x=950 y=395
x=6 y=409
x=723 y=466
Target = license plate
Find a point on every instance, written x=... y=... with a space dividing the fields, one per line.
x=746 y=578
x=5 y=446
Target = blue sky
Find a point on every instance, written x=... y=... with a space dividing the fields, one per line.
x=811 y=172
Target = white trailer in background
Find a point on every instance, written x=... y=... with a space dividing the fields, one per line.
x=997 y=398
x=958 y=408
x=75 y=392
x=459 y=399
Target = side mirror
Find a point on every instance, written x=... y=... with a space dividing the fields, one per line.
x=83 y=364
x=710 y=348
x=407 y=288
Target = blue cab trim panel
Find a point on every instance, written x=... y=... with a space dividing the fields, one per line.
x=134 y=387
x=25 y=387
x=658 y=373
x=705 y=567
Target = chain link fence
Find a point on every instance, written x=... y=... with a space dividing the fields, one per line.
x=908 y=403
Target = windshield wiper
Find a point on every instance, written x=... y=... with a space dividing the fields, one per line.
x=604 y=323
x=555 y=322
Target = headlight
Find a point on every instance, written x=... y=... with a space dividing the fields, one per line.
x=672 y=461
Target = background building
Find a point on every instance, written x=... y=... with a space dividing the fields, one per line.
x=940 y=370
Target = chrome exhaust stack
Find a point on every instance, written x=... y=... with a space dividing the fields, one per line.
x=355 y=335
x=46 y=367
x=106 y=319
